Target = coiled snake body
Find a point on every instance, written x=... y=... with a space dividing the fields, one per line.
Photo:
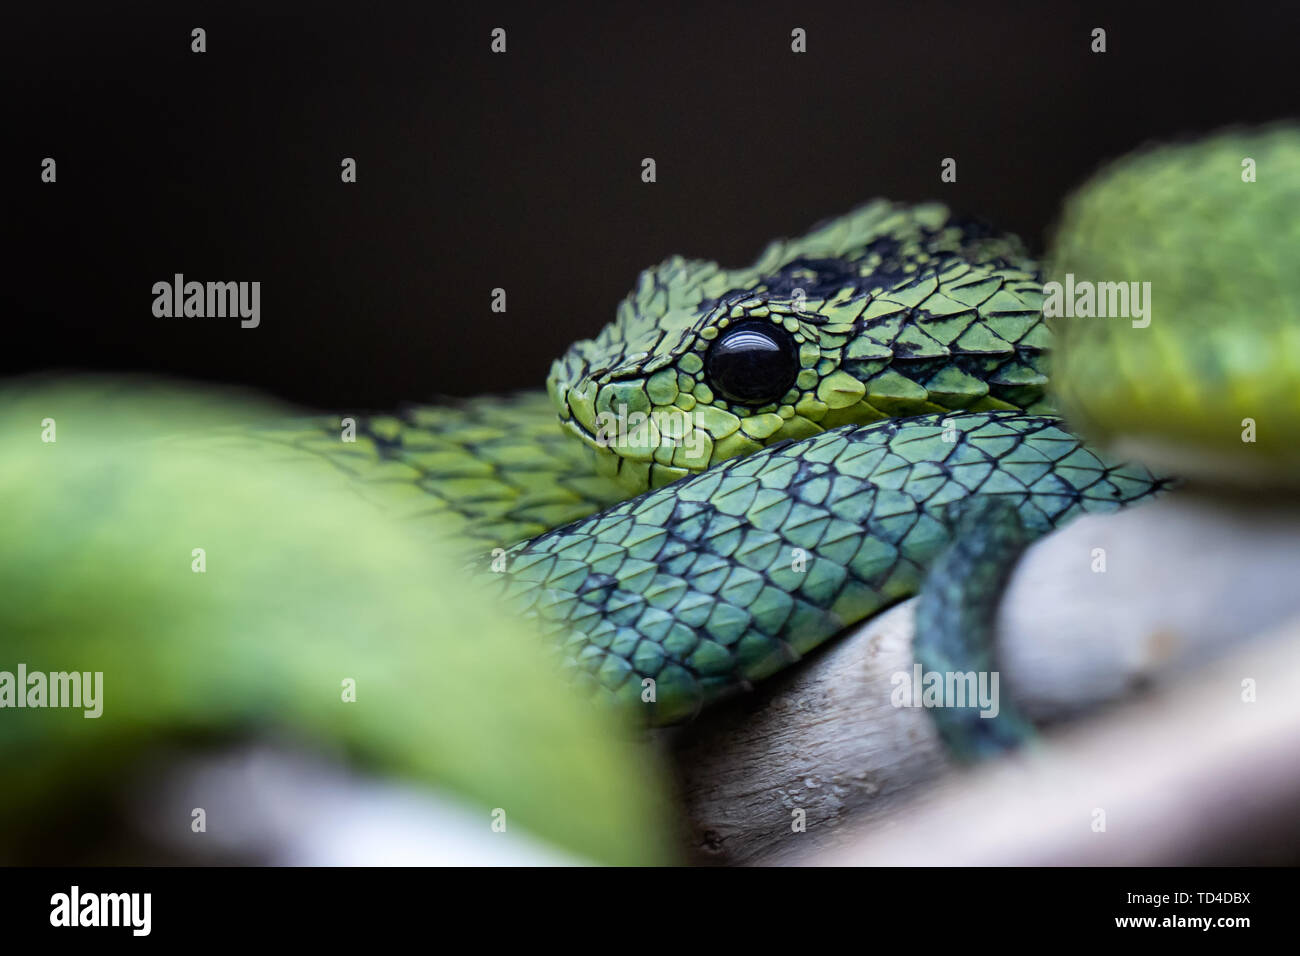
x=802 y=435
x=740 y=465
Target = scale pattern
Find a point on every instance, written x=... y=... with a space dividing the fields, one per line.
x=895 y=310
x=730 y=575
x=484 y=472
x=1221 y=347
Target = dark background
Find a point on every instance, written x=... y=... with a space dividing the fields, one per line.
x=523 y=170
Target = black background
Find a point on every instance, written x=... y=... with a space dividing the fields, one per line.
x=522 y=170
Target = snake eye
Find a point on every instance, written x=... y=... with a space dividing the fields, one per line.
x=752 y=363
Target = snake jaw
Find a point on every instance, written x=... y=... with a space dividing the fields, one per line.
x=625 y=442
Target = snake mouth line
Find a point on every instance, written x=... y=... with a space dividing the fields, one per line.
x=640 y=445
x=644 y=449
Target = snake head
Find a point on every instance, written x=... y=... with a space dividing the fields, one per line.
x=888 y=311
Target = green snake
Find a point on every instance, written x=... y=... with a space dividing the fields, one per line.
x=741 y=465
x=799 y=435
x=745 y=462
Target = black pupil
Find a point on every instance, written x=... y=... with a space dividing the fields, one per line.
x=752 y=364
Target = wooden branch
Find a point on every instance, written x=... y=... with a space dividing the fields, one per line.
x=1190 y=774
x=1185 y=580
x=821 y=739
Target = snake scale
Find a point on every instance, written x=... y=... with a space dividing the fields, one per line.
x=745 y=462
x=807 y=428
